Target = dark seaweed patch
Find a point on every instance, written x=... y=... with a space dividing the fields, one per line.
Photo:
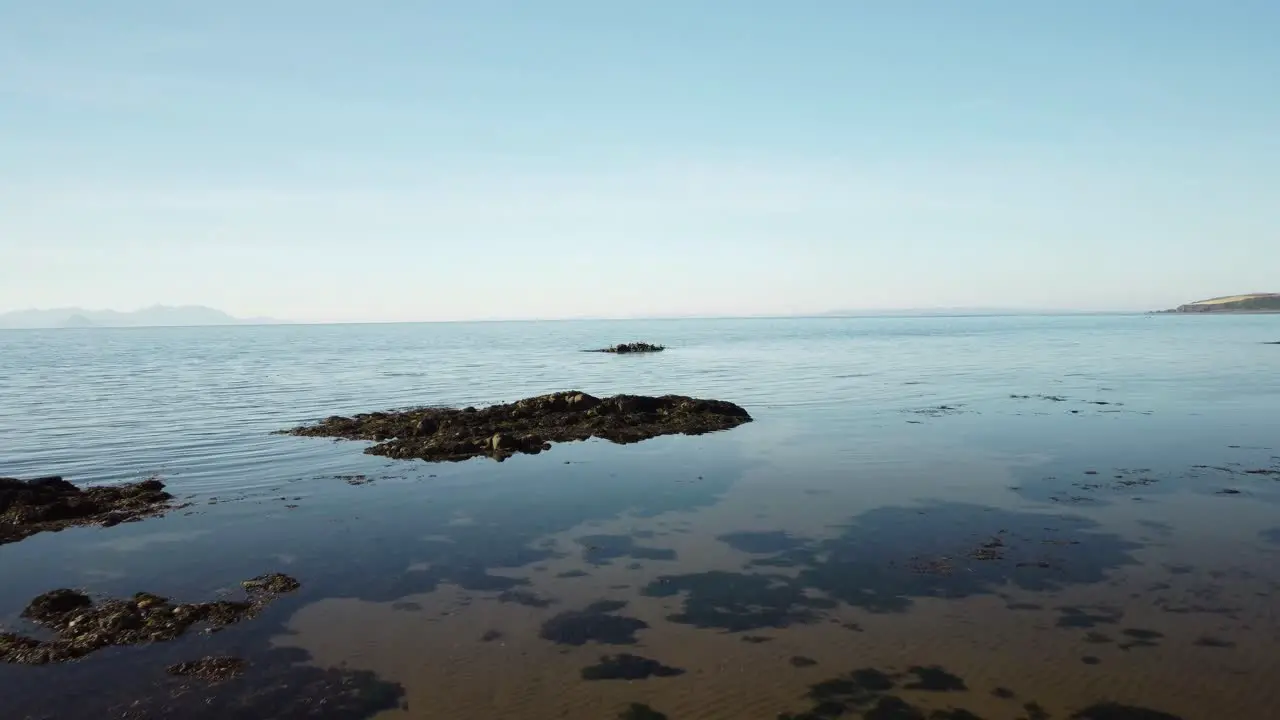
x=628 y=667
x=640 y=711
x=524 y=597
x=595 y=623
x=934 y=679
x=872 y=680
x=1140 y=638
x=886 y=557
x=866 y=691
x=1209 y=641
x=738 y=601
x=603 y=549
x=765 y=542
x=1035 y=711
x=1087 y=617
x=874 y=563
x=890 y=707
x=1004 y=693
x=1116 y=711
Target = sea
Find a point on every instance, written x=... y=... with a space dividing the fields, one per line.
x=929 y=517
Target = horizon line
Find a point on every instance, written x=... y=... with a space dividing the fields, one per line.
x=829 y=315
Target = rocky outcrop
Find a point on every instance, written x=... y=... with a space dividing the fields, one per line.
x=44 y=504
x=82 y=626
x=635 y=347
x=527 y=426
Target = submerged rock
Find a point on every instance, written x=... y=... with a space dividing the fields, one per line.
x=527 y=426
x=209 y=668
x=82 y=626
x=634 y=347
x=45 y=504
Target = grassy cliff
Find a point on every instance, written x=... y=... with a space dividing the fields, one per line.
x=1253 y=302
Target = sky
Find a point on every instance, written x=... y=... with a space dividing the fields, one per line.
x=476 y=159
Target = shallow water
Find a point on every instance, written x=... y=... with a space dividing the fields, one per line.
x=1062 y=507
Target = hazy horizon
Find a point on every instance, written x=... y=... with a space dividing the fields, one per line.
x=197 y=315
x=324 y=162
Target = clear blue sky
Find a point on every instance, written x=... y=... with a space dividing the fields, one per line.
x=328 y=160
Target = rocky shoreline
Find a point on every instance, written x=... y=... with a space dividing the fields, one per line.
x=50 y=504
x=527 y=426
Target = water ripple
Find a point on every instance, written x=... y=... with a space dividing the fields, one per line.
x=199 y=403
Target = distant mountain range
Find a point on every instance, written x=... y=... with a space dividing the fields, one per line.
x=1248 y=303
x=155 y=316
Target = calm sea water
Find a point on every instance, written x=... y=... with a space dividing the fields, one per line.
x=1123 y=473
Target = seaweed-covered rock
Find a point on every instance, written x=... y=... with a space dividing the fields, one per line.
x=44 y=504
x=82 y=626
x=270 y=584
x=633 y=347
x=527 y=426
x=54 y=604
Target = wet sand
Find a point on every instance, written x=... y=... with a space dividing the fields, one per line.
x=1193 y=642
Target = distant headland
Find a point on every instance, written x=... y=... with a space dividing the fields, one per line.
x=155 y=316
x=1249 y=303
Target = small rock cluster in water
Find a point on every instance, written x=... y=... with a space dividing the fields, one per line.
x=82 y=626
x=44 y=504
x=528 y=426
x=633 y=347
